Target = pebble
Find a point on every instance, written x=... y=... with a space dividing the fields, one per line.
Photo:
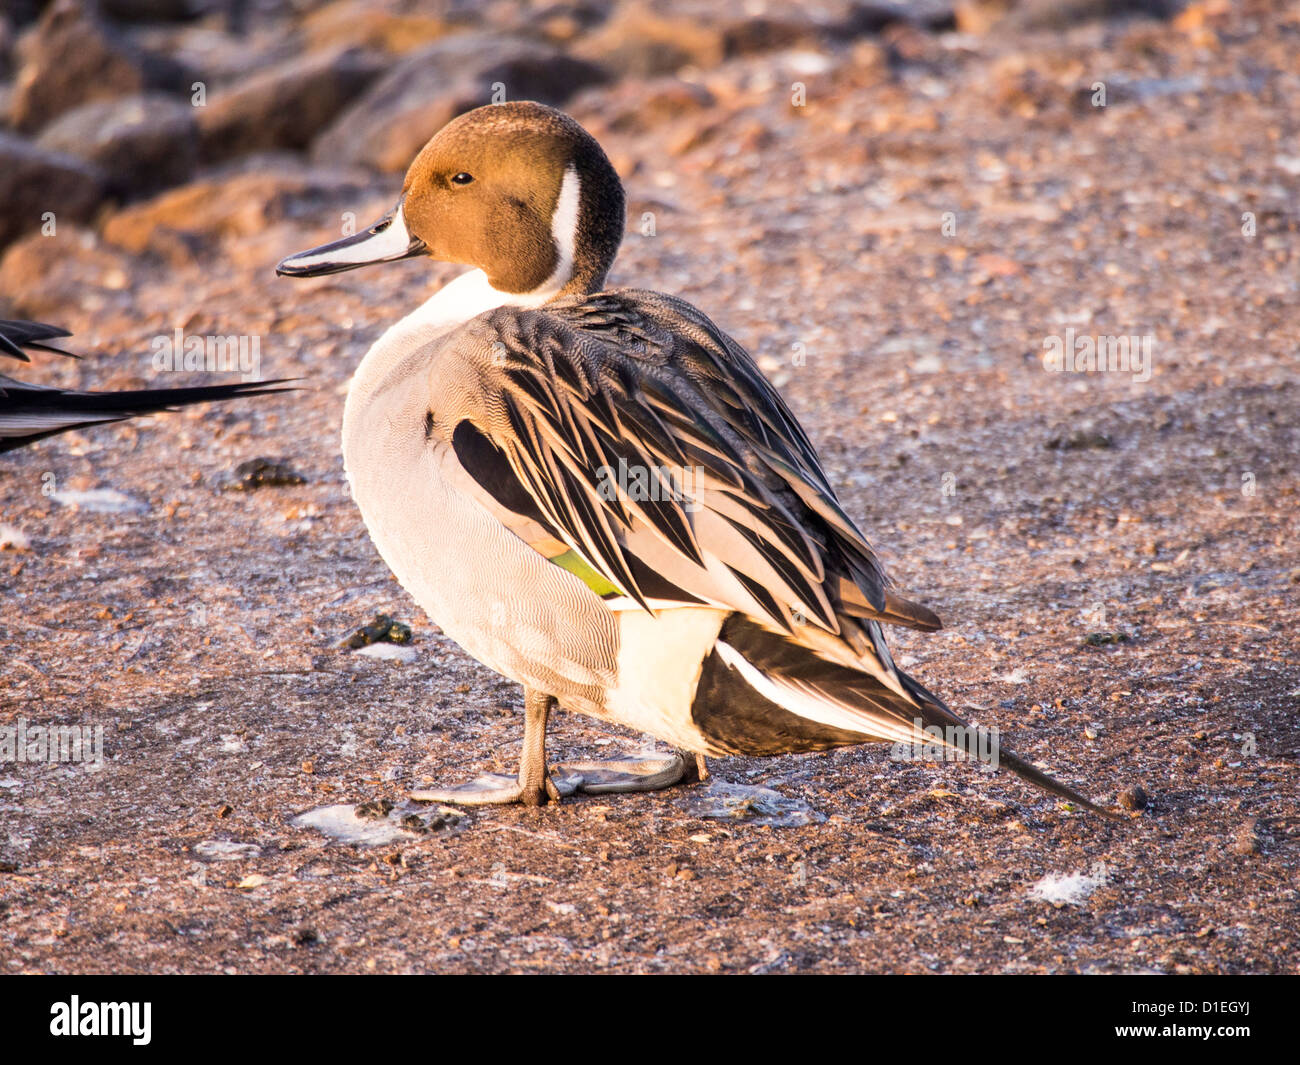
x=1134 y=798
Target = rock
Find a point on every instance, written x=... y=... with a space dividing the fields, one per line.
x=639 y=106
x=263 y=473
x=71 y=59
x=357 y=23
x=374 y=810
x=1245 y=840
x=388 y=652
x=152 y=10
x=1134 y=798
x=565 y=22
x=41 y=277
x=13 y=538
x=642 y=42
x=1081 y=440
x=392 y=120
x=219 y=60
x=100 y=501
x=1060 y=15
x=383 y=628
x=1020 y=86
x=6 y=48
x=1105 y=639
x=143 y=143
x=980 y=16
x=37 y=184
x=872 y=16
x=182 y=224
x=746 y=35
x=285 y=107
x=638 y=42
x=21 y=12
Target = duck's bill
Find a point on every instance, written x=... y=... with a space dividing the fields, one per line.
x=386 y=241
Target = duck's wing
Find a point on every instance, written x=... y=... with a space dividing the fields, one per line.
x=629 y=439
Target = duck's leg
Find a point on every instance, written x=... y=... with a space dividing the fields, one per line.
x=532 y=786
x=535 y=784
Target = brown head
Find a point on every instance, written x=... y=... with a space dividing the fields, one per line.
x=519 y=190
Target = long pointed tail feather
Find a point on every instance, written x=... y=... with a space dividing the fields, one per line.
x=932 y=706
x=17 y=334
x=29 y=413
x=830 y=704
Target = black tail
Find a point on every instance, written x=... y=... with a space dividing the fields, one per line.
x=16 y=335
x=934 y=712
x=29 y=413
x=739 y=719
x=32 y=412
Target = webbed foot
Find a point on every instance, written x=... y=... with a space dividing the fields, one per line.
x=492 y=789
x=633 y=772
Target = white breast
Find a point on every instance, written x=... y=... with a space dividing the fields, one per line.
x=488 y=590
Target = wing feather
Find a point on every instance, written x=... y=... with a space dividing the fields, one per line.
x=649 y=442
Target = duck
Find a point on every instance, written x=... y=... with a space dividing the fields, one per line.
x=596 y=492
x=30 y=412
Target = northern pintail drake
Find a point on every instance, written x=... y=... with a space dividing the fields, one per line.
x=31 y=412
x=596 y=492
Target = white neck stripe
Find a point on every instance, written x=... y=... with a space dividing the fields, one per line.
x=564 y=230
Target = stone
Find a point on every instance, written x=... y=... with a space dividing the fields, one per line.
x=638 y=42
x=285 y=107
x=184 y=224
x=42 y=277
x=143 y=143
x=639 y=106
x=357 y=23
x=71 y=59
x=36 y=183
x=6 y=47
x=152 y=10
x=394 y=118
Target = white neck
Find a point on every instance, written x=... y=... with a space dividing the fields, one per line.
x=467 y=297
x=472 y=294
x=450 y=307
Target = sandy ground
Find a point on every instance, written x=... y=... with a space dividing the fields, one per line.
x=1031 y=509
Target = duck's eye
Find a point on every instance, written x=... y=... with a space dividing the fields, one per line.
x=462 y=178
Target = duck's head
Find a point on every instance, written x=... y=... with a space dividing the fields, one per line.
x=519 y=190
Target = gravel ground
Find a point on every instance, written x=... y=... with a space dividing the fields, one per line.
x=1112 y=553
